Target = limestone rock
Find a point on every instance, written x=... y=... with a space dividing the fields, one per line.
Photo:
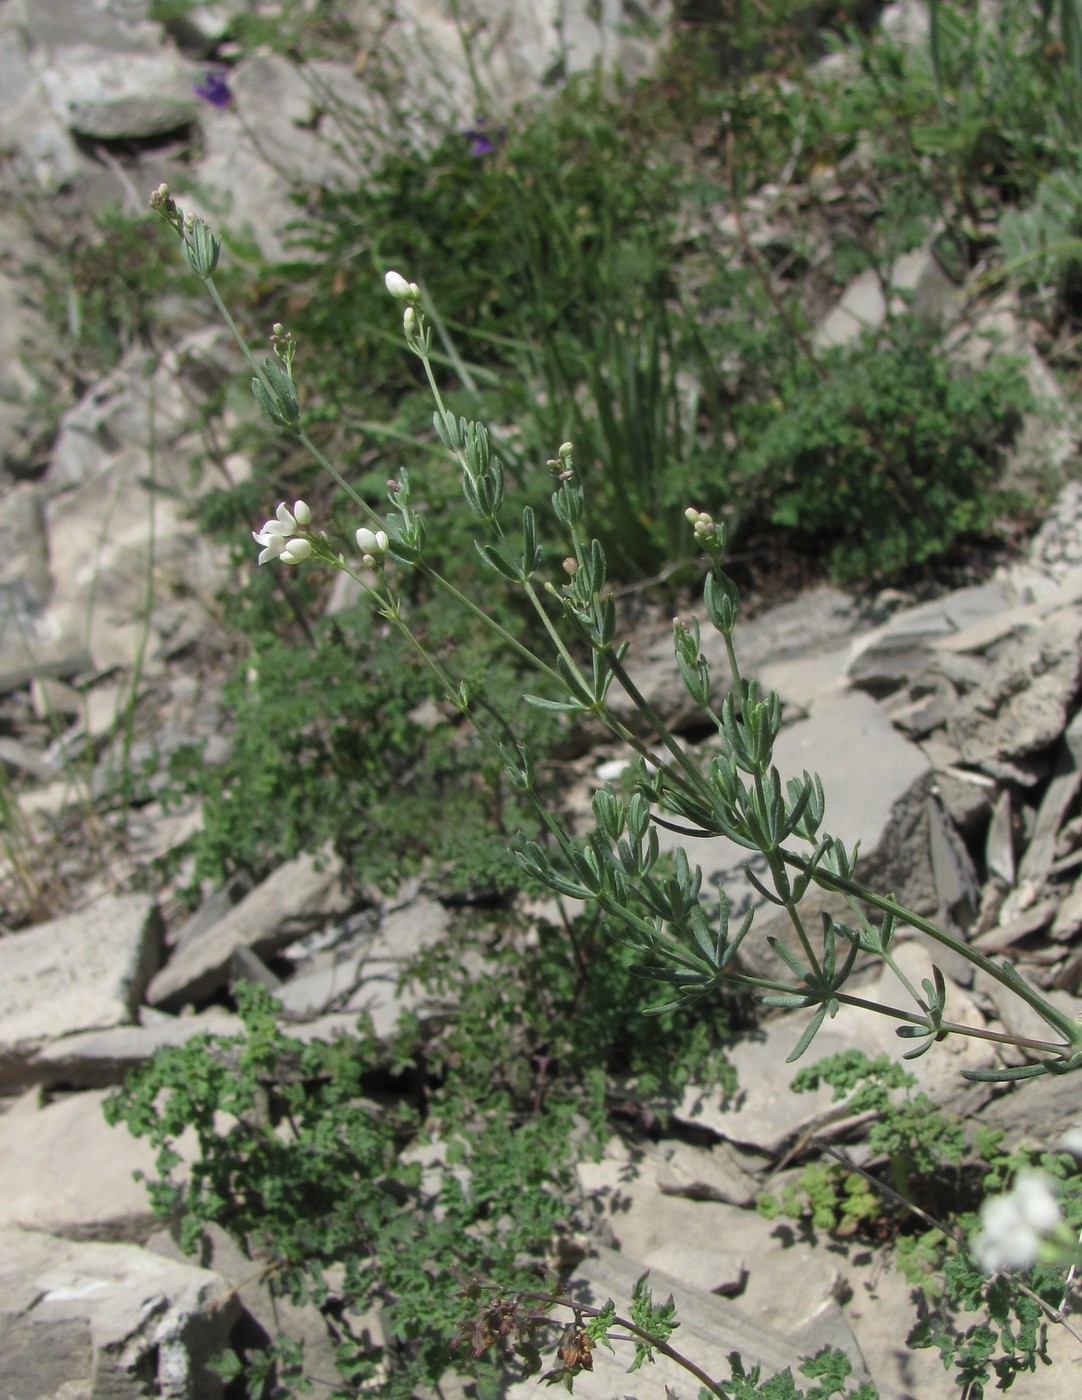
x=765 y=1115
x=39 y=1190
x=85 y=971
x=862 y=308
x=276 y=1315
x=805 y=632
x=70 y=1324
x=1023 y=707
x=120 y=96
x=711 y=1328
x=97 y=1059
x=403 y=935
x=286 y=905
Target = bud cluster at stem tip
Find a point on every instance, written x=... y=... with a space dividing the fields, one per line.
x=373 y=545
x=702 y=525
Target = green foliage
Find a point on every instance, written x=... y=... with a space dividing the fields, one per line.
x=118 y=276
x=327 y=744
x=1008 y=1337
x=297 y=1160
x=887 y=458
x=916 y=1139
x=560 y=1008
x=830 y=1368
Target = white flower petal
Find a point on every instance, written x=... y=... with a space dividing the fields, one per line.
x=285 y=518
x=273 y=547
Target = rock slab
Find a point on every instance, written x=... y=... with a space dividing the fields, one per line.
x=86 y=971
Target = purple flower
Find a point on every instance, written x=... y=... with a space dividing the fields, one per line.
x=214 y=88
x=483 y=142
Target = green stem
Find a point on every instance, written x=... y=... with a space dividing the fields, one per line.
x=953 y=1027
x=1070 y=1030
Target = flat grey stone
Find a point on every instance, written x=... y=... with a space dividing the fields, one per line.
x=85 y=971
x=277 y=1315
x=65 y=1171
x=764 y=1113
x=802 y=637
x=97 y=1059
x=1023 y=708
x=283 y=907
x=862 y=308
x=108 y=1320
x=113 y=96
x=715 y=1173
x=403 y=935
x=903 y=649
x=711 y=1328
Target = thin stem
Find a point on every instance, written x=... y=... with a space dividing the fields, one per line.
x=582 y=1310
x=1070 y=1030
x=953 y=1027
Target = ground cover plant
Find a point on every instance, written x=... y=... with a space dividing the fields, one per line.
x=778 y=435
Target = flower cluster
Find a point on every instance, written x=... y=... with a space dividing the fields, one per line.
x=1014 y=1226
x=279 y=538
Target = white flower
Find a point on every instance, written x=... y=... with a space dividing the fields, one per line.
x=372 y=542
x=1071 y=1141
x=399 y=288
x=276 y=540
x=1014 y=1226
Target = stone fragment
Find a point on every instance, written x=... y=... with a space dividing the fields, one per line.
x=405 y=933
x=862 y=308
x=764 y=1114
x=802 y=636
x=85 y=971
x=1055 y=804
x=717 y=1173
x=1019 y=1018
x=39 y=1190
x=999 y=843
x=112 y=96
x=107 y=1321
x=276 y=1315
x=902 y=650
x=288 y=904
x=1023 y=707
x=1037 y=1111
x=1068 y=920
x=97 y=1059
x=711 y=1328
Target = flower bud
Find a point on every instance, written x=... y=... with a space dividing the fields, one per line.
x=301 y=513
x=373 y=542
x=295 y=551
x=398 y=287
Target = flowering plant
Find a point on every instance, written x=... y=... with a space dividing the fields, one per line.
x=684 y=941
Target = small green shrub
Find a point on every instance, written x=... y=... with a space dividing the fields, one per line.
x=887 y=458
x=310 y=1173
x=327 y=743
